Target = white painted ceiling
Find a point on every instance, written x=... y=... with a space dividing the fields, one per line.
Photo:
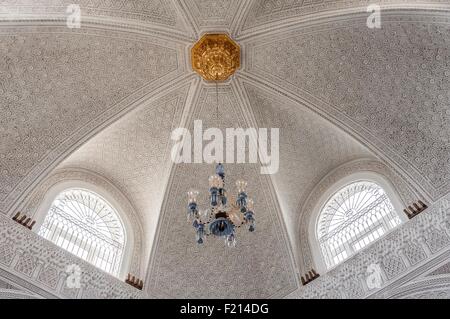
x=105 y=98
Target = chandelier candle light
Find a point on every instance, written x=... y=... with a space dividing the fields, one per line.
x=221 y=219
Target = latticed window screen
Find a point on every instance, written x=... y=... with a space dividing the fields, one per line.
x=354 y=217
x=84 y=224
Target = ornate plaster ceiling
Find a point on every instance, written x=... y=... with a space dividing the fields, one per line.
x=264 y=15
x=310 y=148
x=158 y=15
x=106 y=97
x=390 y=86
x=261 y=266
x=133 y=154
x=59 y=87
x=212 y=14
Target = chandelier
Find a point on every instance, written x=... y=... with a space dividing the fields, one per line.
x=222 y=218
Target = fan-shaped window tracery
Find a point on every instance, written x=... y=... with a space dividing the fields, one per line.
x=87 y=226
x=353 y=217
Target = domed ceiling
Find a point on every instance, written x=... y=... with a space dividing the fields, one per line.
x=105 y=98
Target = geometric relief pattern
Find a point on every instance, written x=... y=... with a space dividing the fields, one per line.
x=213 y=13
x=260 y=267
x=437 y=294
x=26 y=265
x=87 y=75
x=133 y=155
x=49 y=276
x=393 y=266
x=6 y=285
x=310 y=147
x=436 y=239
x=419 y=286
x=32 y=251
x=384 y=253
x=155 y=11
x=390 y=85
x=91 y=293
x=353 y=289
x=414 y=253
x=268 y=11
x=6 y=253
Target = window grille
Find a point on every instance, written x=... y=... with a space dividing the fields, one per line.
x=84 y=224
x=355 y=216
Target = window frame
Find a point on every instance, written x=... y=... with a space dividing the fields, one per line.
x=383 y=182
x=54 y=191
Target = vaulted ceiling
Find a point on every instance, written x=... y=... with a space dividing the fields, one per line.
x=106 y=97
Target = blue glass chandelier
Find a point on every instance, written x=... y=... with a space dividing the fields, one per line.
x=222 y=219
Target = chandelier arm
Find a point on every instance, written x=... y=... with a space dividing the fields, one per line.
x=224 y=217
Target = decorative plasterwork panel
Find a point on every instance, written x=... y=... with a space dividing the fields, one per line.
x=407 y=196
x=430 y=291
x=429 y=232
x=430 y=280
x=157 y=12
x=59 y=87
x=15 y=294
x=310 y=147
x=41 y=267
x=36 y=198
x=264 y=15
x=259 y=267
x=390 y=86
x=217 y=14
x=133 y=154
x=442 y=270
x=12 y=291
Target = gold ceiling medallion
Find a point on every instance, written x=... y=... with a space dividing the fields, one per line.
x=215 y=57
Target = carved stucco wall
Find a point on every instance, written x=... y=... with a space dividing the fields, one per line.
x=60 y=87
x=431 y=280
x=413 y=260
x=276 y=13
x=10 y=291
x=40 y=267
x=415 y=246
x=310 y=147
x=150 y=13
x=212 y=14
x=390 y=86
x=119 y=68
x=133 y=154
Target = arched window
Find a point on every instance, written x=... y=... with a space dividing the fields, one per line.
x=353 y=217
x=86 y=225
